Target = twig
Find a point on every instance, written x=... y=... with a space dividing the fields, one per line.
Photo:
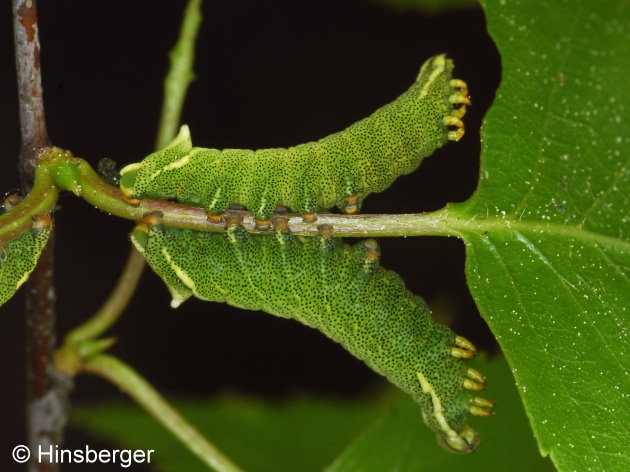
x=39 y=201
x=46 y=415
x=115 y=304
x=179 y=75
x=108 y=198
x=128 y=380
x=30 y=97
x=176 y=84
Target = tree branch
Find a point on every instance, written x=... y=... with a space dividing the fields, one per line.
x=30 y=96
x=46 y=399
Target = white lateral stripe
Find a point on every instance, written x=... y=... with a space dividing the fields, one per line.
x=178 y=163
x=440 y=63
x=438 y=411
x=215 y=198
x=184 y=277
x=181 y=273
x=130 y=167
x=172 y=166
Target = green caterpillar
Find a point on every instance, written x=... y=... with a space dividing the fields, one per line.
x=18 y=257
x=340 y=169
x=338 y=289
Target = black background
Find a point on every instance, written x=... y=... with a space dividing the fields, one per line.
x=268 y=74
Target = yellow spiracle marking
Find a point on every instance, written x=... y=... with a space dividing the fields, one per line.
x=438 y=410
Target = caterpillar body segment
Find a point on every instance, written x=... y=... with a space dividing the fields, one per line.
x=19 y=256
x=338 y=170
x=336 y=288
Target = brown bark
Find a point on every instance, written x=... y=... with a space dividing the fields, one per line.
x=46 y=396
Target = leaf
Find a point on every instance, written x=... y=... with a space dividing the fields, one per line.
x=547 y=231
x=301 y=434
x=398 y=441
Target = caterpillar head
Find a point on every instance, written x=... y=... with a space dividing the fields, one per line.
x=460 y=443
x=136 y=178
x=128 y=178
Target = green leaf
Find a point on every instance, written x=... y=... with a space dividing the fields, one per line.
x=547 y=232
x=302 y=434
x=398 y=441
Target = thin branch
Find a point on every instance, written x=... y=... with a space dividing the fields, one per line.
x=30 y=96
x=40 y=201
x=176 y=83
x=128 y=380
x=113 y=307
x=46 y=413
x=108 y=198
x=180 y=75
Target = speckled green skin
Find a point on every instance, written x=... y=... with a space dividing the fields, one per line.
x=364 y=158
x=18 y=258
x=323 y=283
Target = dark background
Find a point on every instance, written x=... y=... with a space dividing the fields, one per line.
x=268 y=74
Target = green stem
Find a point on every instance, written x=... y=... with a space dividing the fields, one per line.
x=176 y=83
x=174 y=214
x=113 y=307
x=180 y=74
x=109 y=199
x=75 y=174
x=40 y=201
x=128 y=380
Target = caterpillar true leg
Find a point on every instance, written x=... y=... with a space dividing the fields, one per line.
x=463 y=348
x=464 y=343
x=455 y=121
x=461 y=100
x=475 y=381
x=475 y=375
x=461 y=85
x=479 y=407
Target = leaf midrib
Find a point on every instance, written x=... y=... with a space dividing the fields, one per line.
x=475 y=224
